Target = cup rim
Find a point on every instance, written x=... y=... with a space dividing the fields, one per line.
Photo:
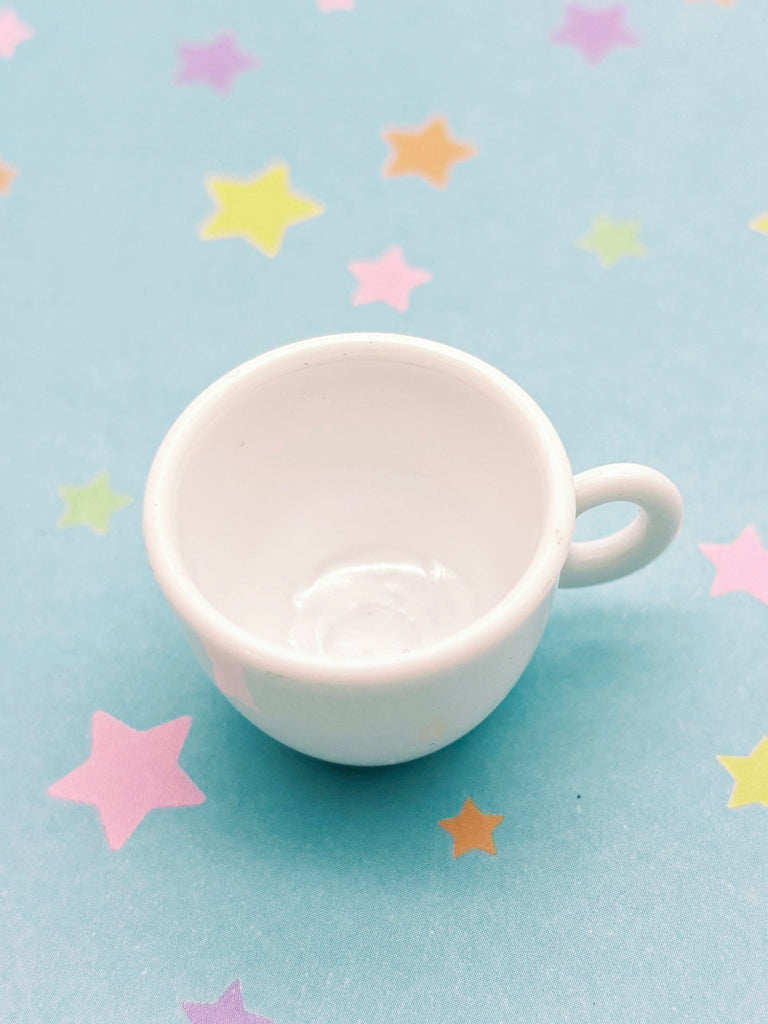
x=480 y=635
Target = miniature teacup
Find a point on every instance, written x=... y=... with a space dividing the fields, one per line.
x=362 y=535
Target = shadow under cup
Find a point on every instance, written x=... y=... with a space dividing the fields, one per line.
x=361 y=502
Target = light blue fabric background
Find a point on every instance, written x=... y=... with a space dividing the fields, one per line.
x=623 y=888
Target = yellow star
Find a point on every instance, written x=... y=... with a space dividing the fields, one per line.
x=471 y=829
x=751 y=775
x=760 y=223
x=91 y=505
x=258 y=210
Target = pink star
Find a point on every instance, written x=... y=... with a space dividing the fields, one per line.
x=741 y=565
x=335 y=5
x=228 y=1009
x=229 y=676
x=217 y=64
x=594 y=32
x=12 y=31
x=388 y=279
x=130 y=773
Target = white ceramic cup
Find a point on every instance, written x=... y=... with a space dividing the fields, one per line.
x=362 y=535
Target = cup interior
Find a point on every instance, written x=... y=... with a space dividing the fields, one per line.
x=358 y=500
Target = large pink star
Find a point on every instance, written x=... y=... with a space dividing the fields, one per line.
x=228 y=1009
x=12 y=31
x=594 y=32
x=741 y=565
x=388 y=279
x=130 y=773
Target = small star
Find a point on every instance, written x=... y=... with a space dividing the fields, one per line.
x=471 y=829
x=335 y=5
x=388 y=279
x=428 y=152
x=258 y=210
x=228 y=1009
x=741 y=565
x=91 y=505
x=611 y=240
x=129 y=774
x=12 y=31
x=594 y=32
x=229 y=676
x=760 y=223
x=217 y=64
x=751 y=775
x=7 y=174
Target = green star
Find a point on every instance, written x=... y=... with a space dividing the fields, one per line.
x=91 y=505
x=610 y=240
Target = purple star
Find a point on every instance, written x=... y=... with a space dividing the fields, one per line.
x=217 y=64
x=228 y=1009
x=594 y=32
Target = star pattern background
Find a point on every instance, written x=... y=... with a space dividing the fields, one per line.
x=581 y=189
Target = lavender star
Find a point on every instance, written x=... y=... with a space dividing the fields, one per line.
x=217 y=64
x=594 y=32
x=228 y=1009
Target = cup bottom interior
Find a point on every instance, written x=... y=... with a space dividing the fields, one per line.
x=360 y=507
x=379 y=603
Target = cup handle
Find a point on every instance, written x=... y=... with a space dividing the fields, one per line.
x=650 y=532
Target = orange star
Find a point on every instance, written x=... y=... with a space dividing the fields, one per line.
x=428 y=152
x=471 y=829
x=7 y=174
